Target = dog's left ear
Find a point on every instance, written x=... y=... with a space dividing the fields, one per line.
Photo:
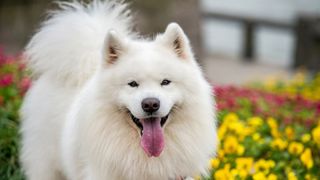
x=175 y=38
x=114 y=46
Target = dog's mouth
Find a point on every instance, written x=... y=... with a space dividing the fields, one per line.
x=140 y=126
x=152 y=135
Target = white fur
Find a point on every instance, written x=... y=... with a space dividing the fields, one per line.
x=76 y=123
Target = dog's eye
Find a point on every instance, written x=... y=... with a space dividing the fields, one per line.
x=165 y=82
x=133 y=84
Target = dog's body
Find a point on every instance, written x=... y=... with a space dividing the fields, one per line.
x=107 y=105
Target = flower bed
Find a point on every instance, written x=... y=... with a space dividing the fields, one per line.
x=268 y=133
x=13 y=85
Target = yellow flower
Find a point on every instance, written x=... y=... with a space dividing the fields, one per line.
x=316 y=134
x=275 y=133
x=256 y=136
x=223 y=174
x=263 y=166
x=272 y=123
x=259 y=176
x=306 y=138
x=230 y=145
x=292 y=176
x=234 y=172
x=222 y=131
x=248 y=130
x=220 y=154
x=295 y=148
x=255 y=121
x=238 y=173
x=278 y=143
x=243 y=174
x=214 y=163
x=244 y=163
x=231 y=117
x=236 y=127
x=271 y=163
x=272 y=177
x=227 y=167
x=240 y=150
x=306 y=158
x=289 y=132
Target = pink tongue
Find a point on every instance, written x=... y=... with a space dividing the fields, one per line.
x=152 y=140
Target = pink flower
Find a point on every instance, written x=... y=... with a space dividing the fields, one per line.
x=6 y=80
x=25 y=84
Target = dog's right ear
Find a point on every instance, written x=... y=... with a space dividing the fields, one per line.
x=113 y=47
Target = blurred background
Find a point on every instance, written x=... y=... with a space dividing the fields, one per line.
x=234 y=41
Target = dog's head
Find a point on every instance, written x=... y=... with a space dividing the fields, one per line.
x=150 y=80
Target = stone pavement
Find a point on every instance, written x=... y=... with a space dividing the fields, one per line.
x=235 y=71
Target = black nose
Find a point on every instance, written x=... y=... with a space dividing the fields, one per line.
x=150 y=105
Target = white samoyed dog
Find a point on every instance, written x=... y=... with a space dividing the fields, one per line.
x=106 y=104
